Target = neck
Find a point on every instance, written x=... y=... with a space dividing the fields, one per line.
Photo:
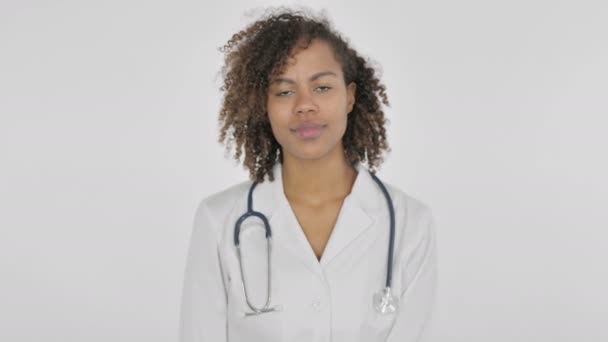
x=319 y=181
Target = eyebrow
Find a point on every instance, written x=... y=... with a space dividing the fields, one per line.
x=312 y=78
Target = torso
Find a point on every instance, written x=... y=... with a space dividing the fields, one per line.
x=317 y=222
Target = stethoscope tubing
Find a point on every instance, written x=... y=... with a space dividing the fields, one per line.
x=391 y=245
x=268 y=233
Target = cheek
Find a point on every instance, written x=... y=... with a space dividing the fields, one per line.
x=344 y=124
x=340 y=124
x=279 y=126
x=277 y=120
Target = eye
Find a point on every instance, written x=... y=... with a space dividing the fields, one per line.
x=283 y=93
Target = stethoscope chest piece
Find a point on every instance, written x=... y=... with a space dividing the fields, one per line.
x=386 y=302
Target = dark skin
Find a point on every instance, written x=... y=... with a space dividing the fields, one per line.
x=316 y=213
x=258 y=114
x=260 y=53
x=316 y=174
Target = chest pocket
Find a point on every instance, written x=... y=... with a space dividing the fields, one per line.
x=243 y=324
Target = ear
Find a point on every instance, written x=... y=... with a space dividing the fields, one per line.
x=350 y=94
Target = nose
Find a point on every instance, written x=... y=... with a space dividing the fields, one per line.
x=304 y=103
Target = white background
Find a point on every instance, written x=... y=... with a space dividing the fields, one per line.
x=108 y=140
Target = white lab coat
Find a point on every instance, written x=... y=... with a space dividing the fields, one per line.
x=322 y=301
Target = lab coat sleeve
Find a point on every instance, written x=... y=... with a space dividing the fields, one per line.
x=414 y=317
x=203 y=301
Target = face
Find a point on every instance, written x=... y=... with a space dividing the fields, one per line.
x=308 y=104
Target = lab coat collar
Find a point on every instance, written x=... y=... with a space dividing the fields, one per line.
x=357 y=215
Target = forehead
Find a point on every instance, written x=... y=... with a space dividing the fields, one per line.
x=317 y=57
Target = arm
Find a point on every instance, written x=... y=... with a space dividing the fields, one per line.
x=203 y=302
x=414 y=316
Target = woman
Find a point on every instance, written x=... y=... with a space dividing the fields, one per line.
x=304 y=107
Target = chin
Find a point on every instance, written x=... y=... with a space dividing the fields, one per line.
x=308 y=154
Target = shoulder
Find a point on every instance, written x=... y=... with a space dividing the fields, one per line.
x=414 y=216
x=220 y=203
x=413 y=206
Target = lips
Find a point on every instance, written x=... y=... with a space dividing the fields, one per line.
x=308 y=125
x=308 y=130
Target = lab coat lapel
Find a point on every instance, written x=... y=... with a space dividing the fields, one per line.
x=355 y=217
x=287 y=236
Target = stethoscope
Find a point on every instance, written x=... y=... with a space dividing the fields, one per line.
x=384 y=301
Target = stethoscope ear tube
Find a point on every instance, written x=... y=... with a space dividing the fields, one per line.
x=237 y=230
x=257 y=311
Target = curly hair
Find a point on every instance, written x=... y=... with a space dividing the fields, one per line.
x=256 y=54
